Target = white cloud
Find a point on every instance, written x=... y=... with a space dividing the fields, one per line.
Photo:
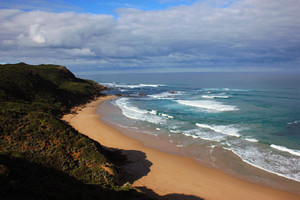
x=38 y=39
x=206 y=34
x=81 y=52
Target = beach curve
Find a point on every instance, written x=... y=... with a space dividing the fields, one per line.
x=170 y=174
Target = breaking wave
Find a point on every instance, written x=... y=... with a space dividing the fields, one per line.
x=166 y=95
x=208 y=105
x=214 y=97
x=284 y=149
x=131 y=85
x=227 y=130
x=269 y=161
x=133 y=112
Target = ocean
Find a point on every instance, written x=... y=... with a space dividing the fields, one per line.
x=227 y=120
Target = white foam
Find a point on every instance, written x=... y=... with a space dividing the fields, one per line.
x=153 y=112
x=226 y=89
x=228 y=149
x=196 y=133
x=119 y=85
x=284 y=149
x=131 y=85
x=251 y=140
x=212 y=146
x=126 y=86
x=227 y=130
x=158 y=129
x=133 y=112
x=207 y=96
x=214 y=97
x=228 y=143
x=163 y=95
x=294 y=122
x=149 y=85
x=208 y=104
x=166 y=115
x=166 y=95
x=107 y=84
x=175 y=131
x=266 y=160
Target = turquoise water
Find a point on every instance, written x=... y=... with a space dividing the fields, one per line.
x=255 y=116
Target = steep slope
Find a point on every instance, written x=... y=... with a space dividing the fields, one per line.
x=41 y=156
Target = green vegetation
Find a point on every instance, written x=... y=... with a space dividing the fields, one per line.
x=41 y=157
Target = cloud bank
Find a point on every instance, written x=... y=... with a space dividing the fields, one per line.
x=205 y=36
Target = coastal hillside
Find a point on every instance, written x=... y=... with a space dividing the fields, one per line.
x=45 y=83
x=41 y=157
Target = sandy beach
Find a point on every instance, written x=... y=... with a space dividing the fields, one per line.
x=164 y=173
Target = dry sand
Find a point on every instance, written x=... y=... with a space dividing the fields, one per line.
x=165 y=173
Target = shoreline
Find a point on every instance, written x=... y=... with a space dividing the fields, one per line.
x=246 y=171
x=166 y=173
x=225 y=161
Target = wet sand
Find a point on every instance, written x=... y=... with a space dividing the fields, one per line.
x=166 y=173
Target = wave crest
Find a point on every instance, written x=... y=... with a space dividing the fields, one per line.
x=132 y=86
x=284 y=149
x=133 y=112
x=208 y=105
x=214 y=97
x=227 y=130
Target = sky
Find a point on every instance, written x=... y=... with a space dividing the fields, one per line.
x=100 y=36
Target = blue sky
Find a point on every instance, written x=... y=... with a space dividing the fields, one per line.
x=92 y=6
x=109 y=7
x=152 y=36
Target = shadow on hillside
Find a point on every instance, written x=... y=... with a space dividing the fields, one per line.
x=152 y=194
x=130 y=165
x=20 y=179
